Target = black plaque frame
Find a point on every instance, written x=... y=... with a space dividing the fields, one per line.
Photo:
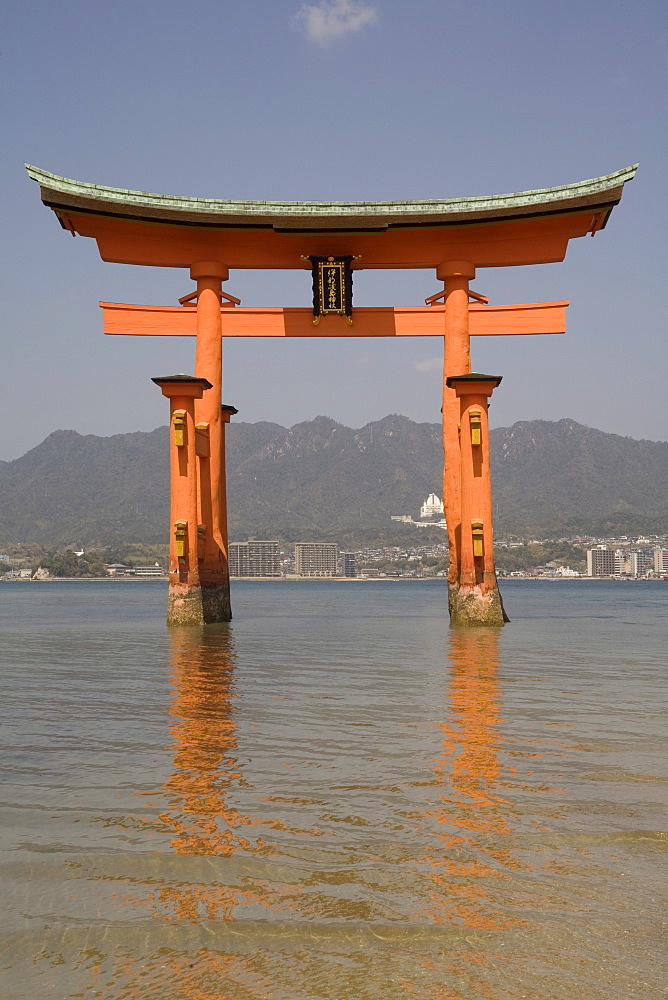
x=332 y=286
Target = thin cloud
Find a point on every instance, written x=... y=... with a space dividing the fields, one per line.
x=330 y=20
x=431 y=365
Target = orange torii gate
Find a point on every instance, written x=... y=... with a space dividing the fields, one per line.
x=332 y=240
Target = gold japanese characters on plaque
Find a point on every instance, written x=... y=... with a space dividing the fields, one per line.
x=332 y=286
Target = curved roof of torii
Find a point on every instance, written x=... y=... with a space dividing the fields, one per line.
x=128 y=225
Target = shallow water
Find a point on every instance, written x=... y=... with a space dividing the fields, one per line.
x=335 y=796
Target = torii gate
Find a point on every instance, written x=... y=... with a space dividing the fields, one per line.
x=331 y=239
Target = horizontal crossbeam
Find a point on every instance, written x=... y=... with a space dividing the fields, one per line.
x=410 y=321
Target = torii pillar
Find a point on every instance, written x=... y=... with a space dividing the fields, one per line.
x=184 y=601
x=214 y=570
x=473 y=593
x=471 y=601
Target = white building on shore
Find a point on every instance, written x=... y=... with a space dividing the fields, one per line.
x=432 y=507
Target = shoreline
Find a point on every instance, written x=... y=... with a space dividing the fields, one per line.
x=346 y=579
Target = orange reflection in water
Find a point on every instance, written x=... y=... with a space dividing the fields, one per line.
x=205 y=774
x=205 y=824
x=472 y=739
x=204 y=741
x=471 y=809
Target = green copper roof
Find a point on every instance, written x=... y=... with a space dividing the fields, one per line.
x=70 y=198
x=127 y=197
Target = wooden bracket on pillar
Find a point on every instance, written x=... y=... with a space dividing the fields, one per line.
x=433 y=299
x=201 y=539
x=202 y=440
x=230 y=300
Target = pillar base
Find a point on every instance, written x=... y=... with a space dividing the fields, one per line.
x=216 y=603
x=469 y=606
x=184 y=605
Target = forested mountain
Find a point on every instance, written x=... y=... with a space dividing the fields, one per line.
x=561 y=475
x=322 y=480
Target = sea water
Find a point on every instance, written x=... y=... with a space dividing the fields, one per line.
x=336 y=796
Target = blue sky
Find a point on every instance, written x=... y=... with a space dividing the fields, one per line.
x=333 y=100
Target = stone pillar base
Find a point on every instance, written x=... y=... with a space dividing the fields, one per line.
x=216 y=603
x=184 y=606
x=470 y=606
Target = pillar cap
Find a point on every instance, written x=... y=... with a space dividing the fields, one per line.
x=179 y=379
x=182 y=385
x=473 y=384
x=209 y=269
x=455 y=268
x=453 y=380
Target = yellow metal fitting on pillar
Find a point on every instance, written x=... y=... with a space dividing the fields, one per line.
x=475 y=418
x=477 y=535
x=179 y=424
x=180 y=531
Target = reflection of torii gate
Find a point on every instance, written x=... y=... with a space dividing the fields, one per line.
x=210 y=237
x=469 y=771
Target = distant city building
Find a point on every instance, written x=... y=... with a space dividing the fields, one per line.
x=660 y=561
x=442 y=523
x=117 y=569
x=315 y=558
x=155 y=570
x=237 y=558
x=601 y=561
x=254 y=558
x=432 y=507
x=348 y=565
x=641 y=562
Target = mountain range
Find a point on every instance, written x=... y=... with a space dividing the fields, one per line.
x=320 y=480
